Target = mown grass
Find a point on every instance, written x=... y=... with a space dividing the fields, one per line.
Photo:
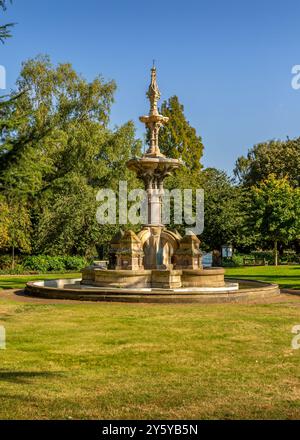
x=285 y=276
x=19 y=281
x=149 y=361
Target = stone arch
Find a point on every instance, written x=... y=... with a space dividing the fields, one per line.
x=168 y=243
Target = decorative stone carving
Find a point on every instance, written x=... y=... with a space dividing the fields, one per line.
x=188 y=255
x=165 y=244
x=130 y=253
x=166 y=279
x=154 y=120
x=114 y=246
x=154 y=258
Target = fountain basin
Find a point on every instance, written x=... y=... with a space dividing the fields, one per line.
x=232 y=291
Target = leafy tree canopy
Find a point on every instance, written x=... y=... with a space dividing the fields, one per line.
x=178 y=139
x=274 y=211
x=222 y=215
x=5 y=29
x=56 y=152
x=281 y=158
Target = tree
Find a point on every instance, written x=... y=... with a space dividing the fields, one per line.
x=4 y=222
x=15 y=226
x=178 y=139
x=5 y=28
x=19 y=228
x=274 y=211
x=222 y=216
x=281 y=158
x=67 y=208
x=60 y=152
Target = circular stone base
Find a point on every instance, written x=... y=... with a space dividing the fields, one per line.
x=233 y=291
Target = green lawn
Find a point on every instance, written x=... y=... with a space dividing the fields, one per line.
x=285 y=276
x=149 y=361
x=19 y=281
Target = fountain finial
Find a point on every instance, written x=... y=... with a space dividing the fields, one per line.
x=154 y=120
x=153 y=93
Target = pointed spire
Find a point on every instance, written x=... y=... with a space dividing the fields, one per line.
x=153 y=93
x=154 y=120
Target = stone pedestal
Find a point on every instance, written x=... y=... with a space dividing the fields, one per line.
x=188 y=255
x=130 y=253
x=155 y=258
x=169 y=279
x=116 y=278
x=114 y=247
x=212 y=277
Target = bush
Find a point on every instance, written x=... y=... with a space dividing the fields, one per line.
x=75 y=263
x=290 y=256
x=235 y=261
x=56 y=264
x=47 y=263
x=5 y=262
x=38 y=263
x=267 y=255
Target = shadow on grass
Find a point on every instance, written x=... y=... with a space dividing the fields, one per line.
x=25 y=376
x=12 y=285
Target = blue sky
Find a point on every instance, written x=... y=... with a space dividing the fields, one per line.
x=229 y=62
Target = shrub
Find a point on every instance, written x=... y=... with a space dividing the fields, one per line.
x=235 y=261
x=55 y=264
x=74 y=263
x=267 y=255
x=289 y=256
x=38 y=263
x=47 y=263
x=5 y=262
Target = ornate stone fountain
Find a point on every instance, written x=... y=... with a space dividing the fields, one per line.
x=155 y=257
x=154 y=265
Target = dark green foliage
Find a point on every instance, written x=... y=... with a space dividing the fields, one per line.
x=222 y=216
x=281 y=158
x=5 y=28
x=56 y=153
x=274 y=211
x=47 y=263
x=178 y=139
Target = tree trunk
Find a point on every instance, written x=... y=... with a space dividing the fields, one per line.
x=275 y=253
x=13 y=258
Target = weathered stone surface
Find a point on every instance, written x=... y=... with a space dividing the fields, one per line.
x=114 y=246
x=255 y=290
x=188 y=255
x=212 y=277
x=166 y=278
x=117 y=278
x=130 y=253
